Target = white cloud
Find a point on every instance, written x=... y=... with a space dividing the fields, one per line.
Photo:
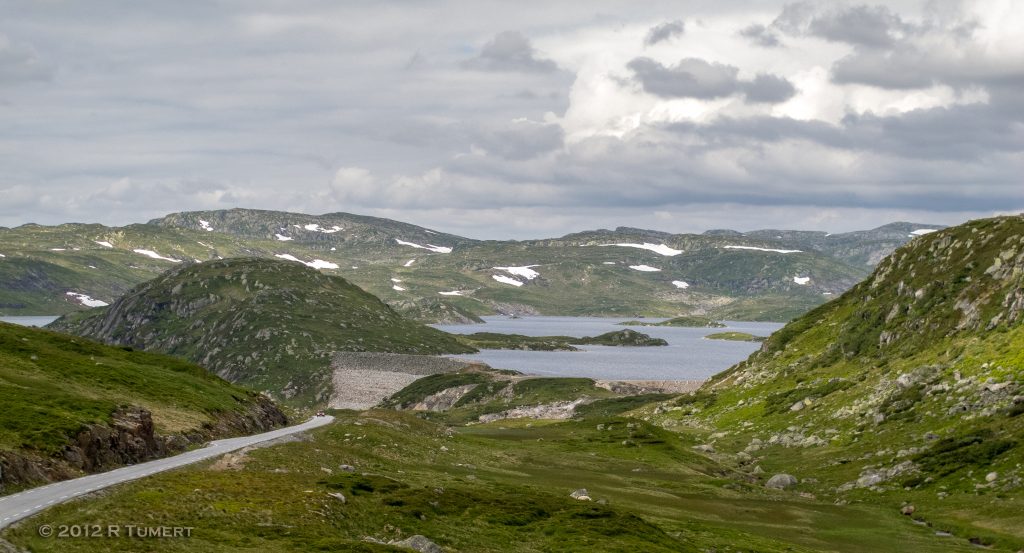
x=547 y=130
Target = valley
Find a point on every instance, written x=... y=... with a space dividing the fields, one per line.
x=887 y=419
x=739 y=276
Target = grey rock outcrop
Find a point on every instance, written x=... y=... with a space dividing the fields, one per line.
x=419 y=543
x=781 y=482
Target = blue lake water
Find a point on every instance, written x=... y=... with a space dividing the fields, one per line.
x=30 y=321
x=687 y=357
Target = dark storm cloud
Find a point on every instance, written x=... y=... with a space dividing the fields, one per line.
x=510 y=51
x=697 y=78
x=664 y=31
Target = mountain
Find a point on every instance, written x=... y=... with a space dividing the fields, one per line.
x=907 y=390
x=439 y=277
x=72 y=406
x=858 y=248
x=272 y=325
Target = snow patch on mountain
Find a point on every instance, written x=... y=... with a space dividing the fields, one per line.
x=801 y=280
x=645 y=268
x=525 y=271
x=154 y=255
x=452 y=293
x=283 y=238
x=409 y=263
x=656 y=248
x=761 y=249
x=316 y=263
x=105 y=244
x=921 y=232
x=205 y=225
x=314 y=227
x=507 y=280
x=431 y=247
x=399 y=288
x=86 y=300
x=682 y=284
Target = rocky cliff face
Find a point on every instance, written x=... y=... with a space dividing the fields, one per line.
x=129 y=439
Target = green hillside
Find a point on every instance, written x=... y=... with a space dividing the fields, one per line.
x=906 y=391
x=380 y=477
x=271 y=325
x=54 y=388
x=440 y=277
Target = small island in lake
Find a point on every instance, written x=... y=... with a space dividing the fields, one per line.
x=685 y=321
x=494 y=340
x=735 y=337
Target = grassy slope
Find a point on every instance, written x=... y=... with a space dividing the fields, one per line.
x=270 y=324
x=921 y=363
x=486 y=488
x=51 y=385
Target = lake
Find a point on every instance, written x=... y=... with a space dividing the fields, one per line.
x=687 y=357
x=41 y=320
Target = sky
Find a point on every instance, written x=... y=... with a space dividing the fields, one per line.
x=515 y=119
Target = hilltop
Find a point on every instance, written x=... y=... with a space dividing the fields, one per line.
x=71 y=405
x=905 y=391
x=272 y=325
x=439 y=277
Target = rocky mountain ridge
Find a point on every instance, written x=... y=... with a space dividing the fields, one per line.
x=439 y=277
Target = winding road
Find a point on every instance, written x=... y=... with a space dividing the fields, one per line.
x=25 y=504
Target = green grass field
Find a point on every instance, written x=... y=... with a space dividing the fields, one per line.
x=483 y=488
x=51 y=385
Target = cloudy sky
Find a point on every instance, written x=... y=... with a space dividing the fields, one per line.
x=515 y=119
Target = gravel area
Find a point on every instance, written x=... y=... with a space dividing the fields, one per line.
x=650 y=386
x=362 y=380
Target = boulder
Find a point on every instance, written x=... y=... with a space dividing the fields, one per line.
x=870 y=479
x=419 y=543
x=580 y=494
x=907 y=510
x=781 y=481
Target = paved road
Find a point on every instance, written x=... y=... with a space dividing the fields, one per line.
x=25 y=504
